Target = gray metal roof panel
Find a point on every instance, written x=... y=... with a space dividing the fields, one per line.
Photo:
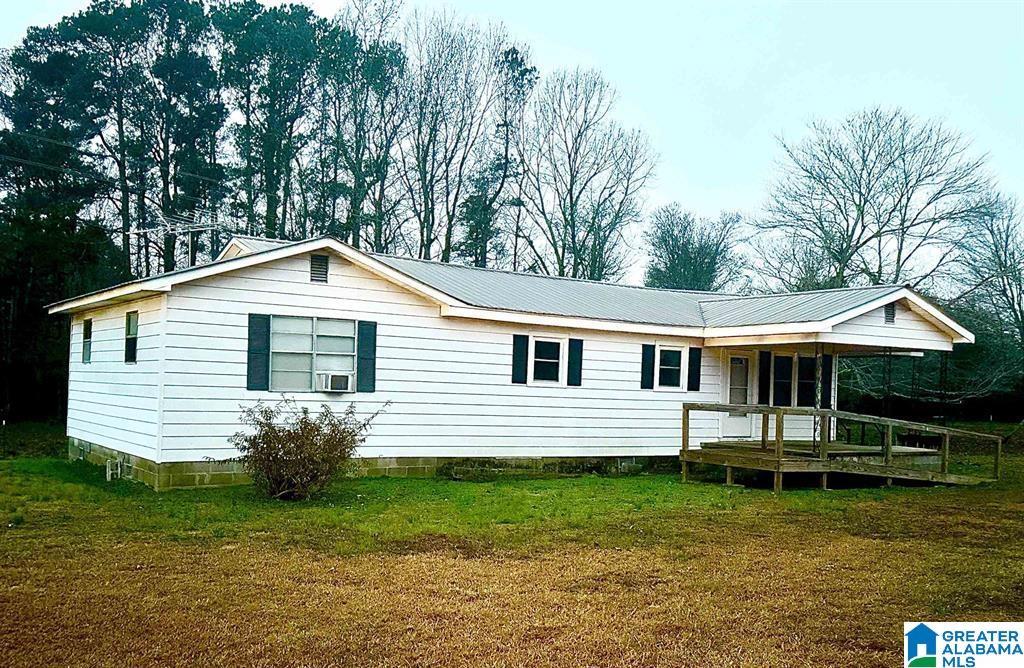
x=810 y=306
x=538 y=293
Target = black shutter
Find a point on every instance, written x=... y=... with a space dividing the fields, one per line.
x=520 y=352
x=575 y=362
x=693 y=370
x=257 y=375
x=783 y=381
x=647 y=368
x=764 y=377
x=318 y=268
x=366 y=356
x=826 y=380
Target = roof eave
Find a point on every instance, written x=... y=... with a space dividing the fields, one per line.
x=163 y=283
x=570 y=322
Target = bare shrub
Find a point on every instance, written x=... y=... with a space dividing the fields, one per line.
x=290 y=453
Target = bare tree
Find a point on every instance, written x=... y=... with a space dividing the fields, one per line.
x=687 y=253
x=993 y=267
x=882 y=196
x=451 y=76
x=583 y=175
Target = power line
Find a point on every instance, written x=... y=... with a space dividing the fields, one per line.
x=58 y=143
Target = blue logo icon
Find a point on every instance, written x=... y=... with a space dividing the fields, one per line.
x=921 y=647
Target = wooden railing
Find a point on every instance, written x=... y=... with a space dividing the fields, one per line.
x=824 y=430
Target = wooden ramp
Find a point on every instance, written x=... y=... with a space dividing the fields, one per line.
x=825 y=455
x=858 y=463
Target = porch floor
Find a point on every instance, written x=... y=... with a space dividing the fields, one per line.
x=800 y=457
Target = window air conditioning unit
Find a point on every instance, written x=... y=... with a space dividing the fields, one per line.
x=336 y=382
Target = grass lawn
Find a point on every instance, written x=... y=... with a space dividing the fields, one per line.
x=591 y=571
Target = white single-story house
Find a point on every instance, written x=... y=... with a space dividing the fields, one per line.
x=472 y=362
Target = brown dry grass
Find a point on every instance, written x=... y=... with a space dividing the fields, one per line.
x=805 y=580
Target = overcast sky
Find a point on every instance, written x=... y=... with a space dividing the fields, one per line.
x=713 y=84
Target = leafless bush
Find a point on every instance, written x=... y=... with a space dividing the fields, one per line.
x=290 y=453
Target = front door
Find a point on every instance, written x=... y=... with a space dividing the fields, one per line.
x=737 y=392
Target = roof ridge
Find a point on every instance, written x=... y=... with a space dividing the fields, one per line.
x=724 y=295
x=802 y=292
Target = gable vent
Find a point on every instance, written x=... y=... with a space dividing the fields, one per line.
x=890 y=313
x=318 y=268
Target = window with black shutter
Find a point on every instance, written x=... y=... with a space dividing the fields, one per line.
x=318 y=265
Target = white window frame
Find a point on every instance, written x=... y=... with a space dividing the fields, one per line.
x=135 y=336
x=684 y=367
x=313 y=371
x=87 y=357
x=563 y=359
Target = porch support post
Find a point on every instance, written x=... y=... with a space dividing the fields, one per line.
x=887 y=458
x=779 y=434
x=685 y=446
x=817 y=431
x=999 y=458
x=945 y=453
x=779 y=440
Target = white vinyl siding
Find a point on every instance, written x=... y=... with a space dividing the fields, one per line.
x=448 y=380
x=111 y=403
x=908 y=329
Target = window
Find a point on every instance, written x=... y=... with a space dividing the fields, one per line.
x=890 y=313
x=782 y=383
x=303 y=349
x=547 y=360
x=131 y=336
x=670 y=367
x=87 y=341
x=318 y=265
x=806 y=380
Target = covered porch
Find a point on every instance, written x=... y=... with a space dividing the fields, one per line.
x=905 y=452
x=777 y=410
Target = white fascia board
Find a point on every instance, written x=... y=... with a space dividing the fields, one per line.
x=114 y=295
x=883 y=343
x=765 y=330
x=859 y=341
x=569 y=322
x=146 y=287
x=918 y=304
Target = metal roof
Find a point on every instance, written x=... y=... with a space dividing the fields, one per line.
x=260 y=244
x=538 y=293
x=551 y=295
x=811 y=306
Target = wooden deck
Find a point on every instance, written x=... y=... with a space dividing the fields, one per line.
x=824 y=455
